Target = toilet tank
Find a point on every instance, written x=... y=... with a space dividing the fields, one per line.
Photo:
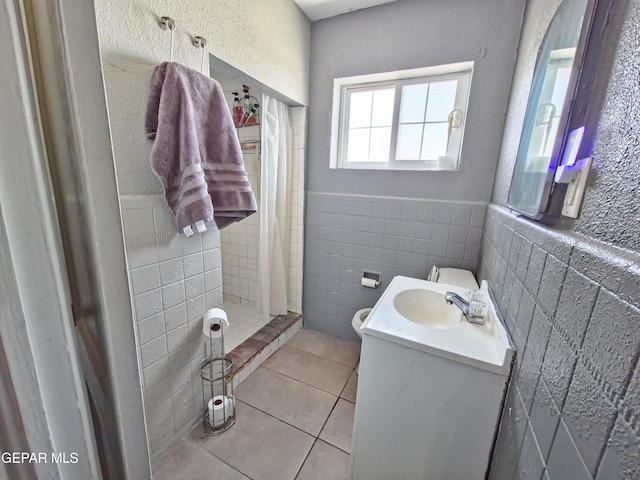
x=454 y=276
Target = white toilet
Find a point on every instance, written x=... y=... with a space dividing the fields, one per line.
x=451 y=276
x=454 y=276
x=358 y=320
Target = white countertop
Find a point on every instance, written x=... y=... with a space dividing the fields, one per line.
x=483 y=346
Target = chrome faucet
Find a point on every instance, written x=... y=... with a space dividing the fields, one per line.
x=453 y=298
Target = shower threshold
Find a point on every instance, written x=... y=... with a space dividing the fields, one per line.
x=252 y=352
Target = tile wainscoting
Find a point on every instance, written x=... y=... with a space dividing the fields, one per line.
x=571 y=305
x=346 y=234
x=174 y=280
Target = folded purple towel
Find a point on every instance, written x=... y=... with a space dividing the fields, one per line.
x=196 y=153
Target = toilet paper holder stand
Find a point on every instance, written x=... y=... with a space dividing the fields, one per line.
x=216 y=374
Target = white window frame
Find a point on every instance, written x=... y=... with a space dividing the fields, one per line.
x=343 y=87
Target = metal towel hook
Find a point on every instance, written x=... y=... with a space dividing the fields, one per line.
x=201 y=42
x=168 y=23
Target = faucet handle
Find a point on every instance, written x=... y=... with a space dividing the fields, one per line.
x=477 y=305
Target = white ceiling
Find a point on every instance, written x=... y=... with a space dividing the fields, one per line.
x=318 y=9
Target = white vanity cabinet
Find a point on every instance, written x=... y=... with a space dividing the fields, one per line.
x=423 y=412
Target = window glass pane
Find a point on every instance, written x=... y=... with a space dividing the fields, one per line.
x=400 y=120
x=560 y=88
x=442 y=98
x=408 y=145
x=412 y=103
x=382 y=115
x=380 y=143
x=434 y=141
x=360 y=109
x=553 y=131
x=358 y=148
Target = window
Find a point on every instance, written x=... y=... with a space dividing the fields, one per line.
x=407 y=120
x=552 y=96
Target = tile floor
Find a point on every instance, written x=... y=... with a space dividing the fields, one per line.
x=244 y=321
x=294 y=417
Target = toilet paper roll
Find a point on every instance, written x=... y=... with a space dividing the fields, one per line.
x=218 y=318
x=369 y=282
x=220 y=409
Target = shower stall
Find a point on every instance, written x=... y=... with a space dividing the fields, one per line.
x=247 y=247
x=174 y=279
x=125 y=294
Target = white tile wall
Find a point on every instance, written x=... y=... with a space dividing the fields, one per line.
x=296 y=235
x=239 y=242
x=173 y=280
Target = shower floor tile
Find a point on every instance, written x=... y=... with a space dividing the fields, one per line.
x=244 y=321
x=286 y=428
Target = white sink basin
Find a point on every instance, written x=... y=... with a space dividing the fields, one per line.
x=413 y=312
x=427 y=307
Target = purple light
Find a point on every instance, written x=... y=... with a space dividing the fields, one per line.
x=572 y=147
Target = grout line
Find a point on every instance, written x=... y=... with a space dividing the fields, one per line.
x=214 y=456
x=325 y=424
x=323 y=357
x=287 y=423
x=295 y=380
x=345 y=385
x=306 y=458
x=298 y=380
x=317 y=356
x=316 y=438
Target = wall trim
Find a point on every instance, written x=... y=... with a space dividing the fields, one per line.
x=408 y=199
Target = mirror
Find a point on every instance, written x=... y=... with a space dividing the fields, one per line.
x=544 y=129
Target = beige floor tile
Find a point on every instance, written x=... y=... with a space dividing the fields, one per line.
x=339 y=427
x=325 y=462
x=349 y=391
x=186 y=460
x=258 y=445
x=326 y=346
x=311 y=369
x=289 y=400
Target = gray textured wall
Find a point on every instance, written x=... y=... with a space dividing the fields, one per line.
x=611 y=209
x=570 y=293
x=394 y=227
x=608 y=103
x=411 y=34
x=572 y=307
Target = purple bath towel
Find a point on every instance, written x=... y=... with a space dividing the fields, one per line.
x=196 y=153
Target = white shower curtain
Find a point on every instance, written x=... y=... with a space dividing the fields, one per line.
x=275 y=199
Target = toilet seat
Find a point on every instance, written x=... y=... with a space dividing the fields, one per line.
x=358 y=319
